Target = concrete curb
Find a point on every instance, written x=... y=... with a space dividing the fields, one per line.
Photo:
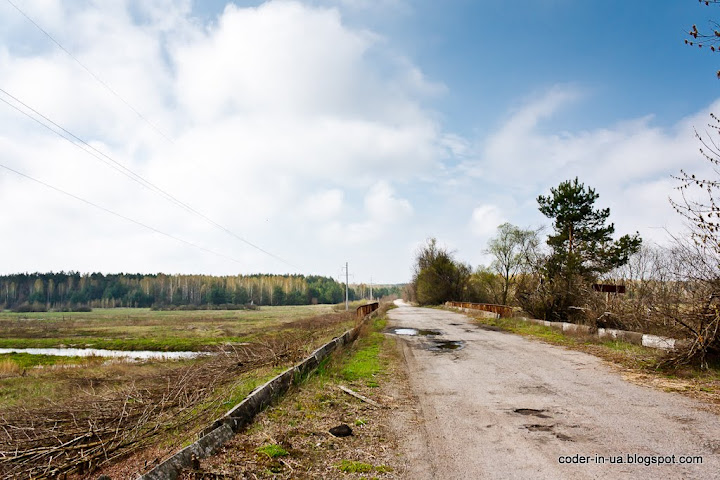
x=224 y=428
x=636 y=338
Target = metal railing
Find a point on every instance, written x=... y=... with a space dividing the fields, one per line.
x=503 y=311
x=367 y=309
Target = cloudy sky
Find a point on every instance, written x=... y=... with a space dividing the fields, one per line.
x=291 y=136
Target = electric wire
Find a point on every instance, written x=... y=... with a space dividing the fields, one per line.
x=111 y=212
x=93 y=75
x=114 y=164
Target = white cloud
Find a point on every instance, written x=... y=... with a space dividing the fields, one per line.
x=383 y=206
x=282 y=118
x=485 y=219
x=323 y=205
x=630 y=164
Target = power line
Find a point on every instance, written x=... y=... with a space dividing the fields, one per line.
x=98 y=79
x=107 y=210
x=99 y=155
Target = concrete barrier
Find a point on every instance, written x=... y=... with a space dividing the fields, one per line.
x=655 y=341
x=636 y=338
x=224 y=428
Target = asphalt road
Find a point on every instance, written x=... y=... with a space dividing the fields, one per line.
x=503 y=406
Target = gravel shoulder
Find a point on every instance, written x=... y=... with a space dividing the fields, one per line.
x=503 y=406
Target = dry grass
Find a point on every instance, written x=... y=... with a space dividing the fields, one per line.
x=100 y=414
x=9 y=368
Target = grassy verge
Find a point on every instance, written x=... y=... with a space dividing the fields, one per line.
x=291 y=438
x=639 y=363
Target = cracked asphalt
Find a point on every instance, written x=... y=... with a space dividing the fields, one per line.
x=506 y=407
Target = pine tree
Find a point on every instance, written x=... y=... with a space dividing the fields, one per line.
x=582 y=243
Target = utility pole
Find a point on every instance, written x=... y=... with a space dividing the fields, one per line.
x=346 y=287
x=371 y=295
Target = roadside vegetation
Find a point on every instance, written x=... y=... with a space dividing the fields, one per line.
x=291 y=439
x=74 y=415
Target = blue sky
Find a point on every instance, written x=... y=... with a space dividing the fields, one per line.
x=331 y=131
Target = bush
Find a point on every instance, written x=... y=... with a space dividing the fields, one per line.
x=30 y=307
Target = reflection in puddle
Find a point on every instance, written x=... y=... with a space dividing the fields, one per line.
x=443 y=345
x=415 y=331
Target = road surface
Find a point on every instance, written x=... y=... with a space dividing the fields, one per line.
x=503 y=407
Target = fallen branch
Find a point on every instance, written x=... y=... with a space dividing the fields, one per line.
x=360 y=397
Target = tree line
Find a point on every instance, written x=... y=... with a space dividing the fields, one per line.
x=76 y=291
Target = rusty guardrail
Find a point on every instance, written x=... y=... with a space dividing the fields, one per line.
x=367 y=309
x=503 y=311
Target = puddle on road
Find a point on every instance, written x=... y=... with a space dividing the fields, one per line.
x=445 y=345
x=531 y=411
x=425 y=332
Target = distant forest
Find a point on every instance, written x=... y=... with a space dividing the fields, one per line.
x=74 y=291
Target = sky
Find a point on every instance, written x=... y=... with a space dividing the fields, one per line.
x=210 y=137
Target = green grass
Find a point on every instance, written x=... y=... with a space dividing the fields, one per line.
x=26 y=390
x=365 y=363
x=521 y=327
x=351 y=466
x=272 y=451
x=26 y=360
x=145 y=329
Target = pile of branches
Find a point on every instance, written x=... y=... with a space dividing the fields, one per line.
x=98 y=428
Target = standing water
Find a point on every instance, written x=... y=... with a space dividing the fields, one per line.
x=99 y=352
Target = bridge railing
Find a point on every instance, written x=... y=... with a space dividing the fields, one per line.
x=367 y=309
x=503 y=311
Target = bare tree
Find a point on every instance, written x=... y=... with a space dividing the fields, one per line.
x=512 y=250
x=698 y=261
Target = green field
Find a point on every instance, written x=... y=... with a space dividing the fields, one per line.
x=145 y=329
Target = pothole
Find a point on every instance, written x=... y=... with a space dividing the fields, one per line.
x=445 y=345
x=425 y=332
x=531 y=411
